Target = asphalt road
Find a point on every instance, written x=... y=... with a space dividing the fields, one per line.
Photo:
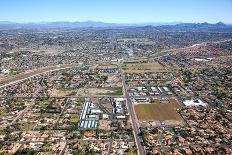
x=27 y=108
x=132 y=116
x=27 y=75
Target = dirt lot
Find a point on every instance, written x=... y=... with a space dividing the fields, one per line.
x=158 y=111
x=117 y=91
x=143 y=67
x=59 y=93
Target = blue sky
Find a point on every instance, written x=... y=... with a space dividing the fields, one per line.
x=117 y=11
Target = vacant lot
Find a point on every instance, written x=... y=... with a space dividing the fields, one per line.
x=143 y=67
x=117 y=91
x=59 y=93
x=158 y=111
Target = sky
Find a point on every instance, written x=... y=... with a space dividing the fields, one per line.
x=117 y=11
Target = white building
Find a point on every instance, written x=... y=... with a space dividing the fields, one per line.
x=196 y=102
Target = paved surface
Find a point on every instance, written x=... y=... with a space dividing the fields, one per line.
x=27 y=75
x=110 y=146
x=135 y=127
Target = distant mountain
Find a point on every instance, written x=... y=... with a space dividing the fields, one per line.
x=201 y=25
x=6 y=22
x=75 y=24
x=64 y=24
x=196 y=27
x=220 y=24
x=94 y=24
x=59 y=24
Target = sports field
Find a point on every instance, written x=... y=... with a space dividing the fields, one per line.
x=158 y=111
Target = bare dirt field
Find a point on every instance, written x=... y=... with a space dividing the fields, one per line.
x=117 y=91
x=59 y=93
x=158 y=111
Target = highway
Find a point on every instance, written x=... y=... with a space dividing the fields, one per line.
x=132 y=114
x=169 y=51
x=27 y=75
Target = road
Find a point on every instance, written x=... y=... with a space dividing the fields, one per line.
x=132 y=114
x=35 y=94
x=27 y=75
x=110 y=146
x=63 y=149
x=168 y=51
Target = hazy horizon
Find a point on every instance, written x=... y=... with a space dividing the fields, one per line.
x=174 y=22
x=117 y=11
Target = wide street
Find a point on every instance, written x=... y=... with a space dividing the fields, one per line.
x=132 y=114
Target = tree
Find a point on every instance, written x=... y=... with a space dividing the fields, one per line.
x=155 y=131
x=26 y=151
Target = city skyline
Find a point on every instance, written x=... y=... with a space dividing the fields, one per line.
x=119 y=11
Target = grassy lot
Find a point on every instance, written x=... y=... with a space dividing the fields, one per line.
x=143 y=67
x=74 y=119
x=117 y=91
x=79 y=101
x=132 y=152
x=27 y=126
x=158 y=111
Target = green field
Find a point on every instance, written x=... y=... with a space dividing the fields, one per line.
x=143 y=67
x=158 y=111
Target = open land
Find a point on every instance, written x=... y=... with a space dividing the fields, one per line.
x=143 y=67
x=158 y=111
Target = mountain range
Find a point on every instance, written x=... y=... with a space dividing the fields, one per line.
x=94 y=24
